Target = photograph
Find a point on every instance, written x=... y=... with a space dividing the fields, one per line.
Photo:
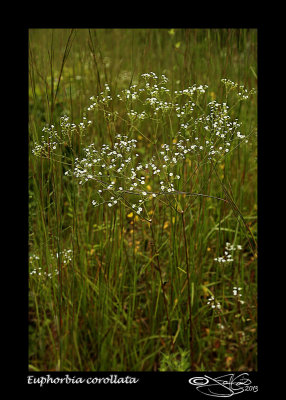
x=142 y=204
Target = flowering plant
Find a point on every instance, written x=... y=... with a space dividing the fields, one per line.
x=119 y=172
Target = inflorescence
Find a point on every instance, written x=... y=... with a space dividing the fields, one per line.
x=117 y=170
x=227 y=256
x=65 y=257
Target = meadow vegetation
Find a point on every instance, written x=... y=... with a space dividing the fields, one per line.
x=142 y=200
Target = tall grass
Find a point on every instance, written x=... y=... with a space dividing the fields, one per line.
x=108 y=289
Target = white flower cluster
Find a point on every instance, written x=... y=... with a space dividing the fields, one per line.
x=129 y=94
x=47 y=145
x=229 y=85
x=231 y=247
x=220 y=130
x=65 y=255
x=190 y=91
x=33 y=257
x=134 y=115
x=38 y=271
x=67 y=130
x=66 y=258
x=103 y=98
x=242 y=94
x=151 y=94
x=117 y=170
x=66 y=126
x=150 y=75
x=227 y=257
x=98 y=164
x=236 y=293
x=213 y=303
